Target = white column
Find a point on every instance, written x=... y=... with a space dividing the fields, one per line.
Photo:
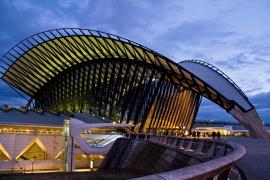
x=68 y=164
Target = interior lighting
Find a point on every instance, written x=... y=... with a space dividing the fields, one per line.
x=91 y=164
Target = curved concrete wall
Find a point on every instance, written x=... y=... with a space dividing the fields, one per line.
x=168 y=157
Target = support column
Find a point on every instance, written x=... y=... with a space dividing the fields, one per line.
x=251 y=121
x=67 y=161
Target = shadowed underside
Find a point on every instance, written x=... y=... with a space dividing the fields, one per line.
x=79 y=70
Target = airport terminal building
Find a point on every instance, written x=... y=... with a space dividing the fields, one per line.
x=67 y=73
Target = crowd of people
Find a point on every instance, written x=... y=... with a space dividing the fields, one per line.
x=197 y=134
x=216 y=135
x=194 y=134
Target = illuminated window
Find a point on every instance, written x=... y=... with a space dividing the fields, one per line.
x=3 y=153
x=34 y=153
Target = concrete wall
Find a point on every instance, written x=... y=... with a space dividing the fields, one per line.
x=145 y=157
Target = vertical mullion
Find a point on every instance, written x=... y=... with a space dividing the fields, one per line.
x=93 y=88
x=83 y=88
x=95 y=91
x=129 y=89
x=169 y=106
x=136 y=94
x=172 y=108
x=166 y=105
x=143 y=95
x=116 y=82
x=107 y=90
x=191 y=106
x=151 y=102
x=99 y=95
x=65 y=84
x=78 y=84
x=123 y=85
x=159 y=120
x=177 y=106
x=156 y=104
x=89 y=65
x=70 y=91
x=196 y=109
x=187 y=105
x=181 y=108
x=111 y=89
x=73 y=91
x=104 y=87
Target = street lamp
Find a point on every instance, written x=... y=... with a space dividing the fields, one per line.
x=32 y=165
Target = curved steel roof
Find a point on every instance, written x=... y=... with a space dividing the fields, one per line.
x=15 y=116
x=29 y=65
x=218 y=80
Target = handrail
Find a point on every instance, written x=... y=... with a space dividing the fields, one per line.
x=205 y=170
x=106 y=141
x=202 y=170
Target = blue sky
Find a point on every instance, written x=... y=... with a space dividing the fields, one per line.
x=232 y=35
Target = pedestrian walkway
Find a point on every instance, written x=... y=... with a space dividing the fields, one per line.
x=256 y=162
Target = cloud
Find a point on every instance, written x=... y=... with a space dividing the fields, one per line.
x=211 y=111
x=9 y=96
x=227 y=34
x=262 y=104
x=196 y=32
x=261 y=100
x=82 y=4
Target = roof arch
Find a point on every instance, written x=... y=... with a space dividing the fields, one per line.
x=44 y=55
x=219 y=81
x=29 y=65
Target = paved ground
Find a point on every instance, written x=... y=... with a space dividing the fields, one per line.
x=256 y=162
x=108 y=175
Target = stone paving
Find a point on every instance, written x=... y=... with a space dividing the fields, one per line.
x=256 y=162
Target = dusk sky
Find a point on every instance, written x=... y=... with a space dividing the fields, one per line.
x=232 y=35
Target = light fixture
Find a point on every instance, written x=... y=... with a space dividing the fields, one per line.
x=91 y=164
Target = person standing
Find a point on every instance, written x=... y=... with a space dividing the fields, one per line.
x=218 y=135
x=198 y=134
x=194 y=134
x=214 y=135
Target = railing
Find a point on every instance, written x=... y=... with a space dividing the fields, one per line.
x=218 y=157
x=106 y=141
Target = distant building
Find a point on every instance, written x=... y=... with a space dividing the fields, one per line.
x=206 y=128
